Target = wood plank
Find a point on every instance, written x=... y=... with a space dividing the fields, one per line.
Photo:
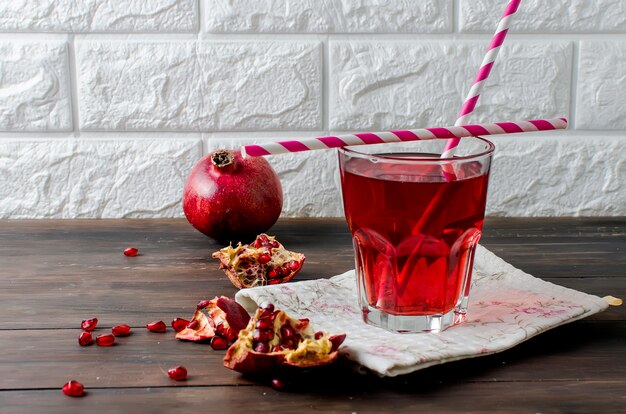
x=141 y=360
x=582 y=397
x=70 y=270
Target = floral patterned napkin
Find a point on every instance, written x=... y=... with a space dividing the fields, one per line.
x=507 y=307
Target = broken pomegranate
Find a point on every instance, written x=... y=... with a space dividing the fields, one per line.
x=218 y=320
x=157 y=327
x=263 y=262
x=178 y=373
x=73 y=389
x=274 y=340
x=85 y=339
x=230 y=198
x=89 y=324
x=121 y=330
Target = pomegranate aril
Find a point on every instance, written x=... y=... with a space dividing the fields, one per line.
x=193 y=324
x=290 y=343
x=105 y=340
x=131 y=252
x=230 y=334
x=274 y=244
x=269 y=307
x=203 y=304
x=279 y=348
x=264 y=323
x=85 y=339
x=262 y=347
x=158 y=327
x=179 y=324
x=121 y=330
x=319 y=334
x=258 y=243
x=73 y=389
x=220 y=329
x=262 y=335
x=177 y=373
x=273 y=273
x=217 y=343
x=286 y=332
x=264 y=258
x=89 y=324
x=278 y=384
x=293 y=265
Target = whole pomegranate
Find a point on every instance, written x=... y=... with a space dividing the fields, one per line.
x=229 y=198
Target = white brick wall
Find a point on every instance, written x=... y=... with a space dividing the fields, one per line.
x=105 y=106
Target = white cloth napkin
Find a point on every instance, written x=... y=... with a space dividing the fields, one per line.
x=506 y=307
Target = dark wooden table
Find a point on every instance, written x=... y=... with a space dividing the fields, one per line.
x=53 y=274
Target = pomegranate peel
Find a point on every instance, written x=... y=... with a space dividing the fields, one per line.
x=221 y=316
x=291 y=343
x=247 y=265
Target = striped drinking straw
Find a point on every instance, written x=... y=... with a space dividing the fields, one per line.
x=483 y=73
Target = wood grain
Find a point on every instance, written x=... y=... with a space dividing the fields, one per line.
x=55 y=273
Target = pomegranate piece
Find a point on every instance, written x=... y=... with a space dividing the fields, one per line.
x=179 y=324
x=121 y=330
x=178 y=373
x=289 y=342
x=105 y=340
x=219 y=317
x=131 y=252
x=89 y=324
x=264 y=261
x=73 y=389
x=85 y=339
x=230 y=198
x=157 y=327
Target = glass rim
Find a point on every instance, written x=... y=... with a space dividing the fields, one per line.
x=382 y=157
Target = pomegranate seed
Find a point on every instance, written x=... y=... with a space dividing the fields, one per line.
x=179 y=324
x=178 y=373
x=278 y=384
x=217 y=343
x=290 y=343
x=319 y=334
x=220 y=329
x=105 y=340
x=284 y=271
x=193 y=324
x=131 y=252
x=268 y=307
x=230 y=334
x=73 y=389
x=293 y=265
x=262 y=347
x=279 y=348
x=121 y=330
x=89 y=324
x=258 y=243
x=273 y=273
x=203 y=304
x=85 y=339
x=274 y=244
x=264 y=258
x=158 y=327
x=262 y=335
x=286 y=332
x=264 y=323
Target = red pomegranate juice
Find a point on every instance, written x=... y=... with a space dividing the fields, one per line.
x=414 y=232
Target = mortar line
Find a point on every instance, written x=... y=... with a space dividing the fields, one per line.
x=574 y=83
x=73 y=84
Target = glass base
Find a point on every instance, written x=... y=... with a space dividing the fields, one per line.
x=412 y=323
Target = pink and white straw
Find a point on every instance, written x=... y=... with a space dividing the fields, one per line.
x=456 y=131
x=483 y=73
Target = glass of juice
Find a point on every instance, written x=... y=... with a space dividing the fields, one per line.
x=415 y=221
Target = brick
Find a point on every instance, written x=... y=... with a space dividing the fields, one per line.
x=95 y=177
x=554 y=16
x=329 y=16
x=34 y=87
x=99 y=16
x=199 y=85
x=384 y=85
x=601 y=92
